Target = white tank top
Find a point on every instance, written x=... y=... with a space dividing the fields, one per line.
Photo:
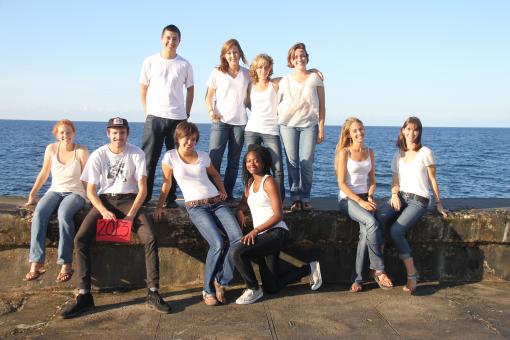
x=66 y=177
x=357 y=175
x=264 y=111
x=260 y=207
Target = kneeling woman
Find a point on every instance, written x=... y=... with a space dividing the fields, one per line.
x=355 y=169
x=205 y=205
x=414 y=172
x=268 y=236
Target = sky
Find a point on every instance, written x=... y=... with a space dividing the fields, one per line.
x=447 y=62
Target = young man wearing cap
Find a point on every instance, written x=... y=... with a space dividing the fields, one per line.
x=162 y=80
x=118 y=168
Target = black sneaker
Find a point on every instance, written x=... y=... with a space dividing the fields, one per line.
x=171 y=205
x=155 y=301
x=84 y=303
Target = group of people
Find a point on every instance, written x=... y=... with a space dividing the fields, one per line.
x=118 y=178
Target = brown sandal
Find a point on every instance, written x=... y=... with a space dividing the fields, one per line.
x=30 y=276
x=64 y=277
x=379 y=281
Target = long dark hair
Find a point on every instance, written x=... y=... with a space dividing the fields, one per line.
x=264 y=156
x=401 y=140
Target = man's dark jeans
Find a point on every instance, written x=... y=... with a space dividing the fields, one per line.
x=157 y=131
x=86 y=234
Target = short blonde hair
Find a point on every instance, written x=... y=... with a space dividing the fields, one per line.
x=259 y=60
x=65 y=122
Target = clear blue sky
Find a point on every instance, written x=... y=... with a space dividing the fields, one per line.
x=447 y=62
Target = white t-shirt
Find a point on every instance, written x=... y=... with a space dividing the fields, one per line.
x=230 y=95
x=299 y=102
x=264 y=114
x=115 y=173
x=166 y=79
x=413 y=176
x=192 y=178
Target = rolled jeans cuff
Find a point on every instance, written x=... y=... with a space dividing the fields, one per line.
x=404 y=256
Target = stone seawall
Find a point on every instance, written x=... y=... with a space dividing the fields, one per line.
x=469 y=245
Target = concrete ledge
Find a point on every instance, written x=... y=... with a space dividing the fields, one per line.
x=470 y=245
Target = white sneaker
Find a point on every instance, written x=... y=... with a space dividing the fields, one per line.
x=250 y=296
x=315 y=275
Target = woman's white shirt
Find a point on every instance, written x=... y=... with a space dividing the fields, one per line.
x=264 y=114
x=357 y=176
x=192 y=178
x=299 y=102
x=260 y=207
x=230 y=95
x=413 y=176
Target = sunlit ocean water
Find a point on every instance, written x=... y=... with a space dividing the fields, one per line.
x=471 y=162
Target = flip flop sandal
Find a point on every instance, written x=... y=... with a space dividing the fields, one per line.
x=378 y=281
x=356 y=287
x=64 y=277
x=30 y=276
x=296 y=206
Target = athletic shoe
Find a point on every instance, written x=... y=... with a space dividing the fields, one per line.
x=315 y=275
x=250 y=296
x=155 y=301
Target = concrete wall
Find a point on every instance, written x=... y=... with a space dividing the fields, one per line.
x=469 y=245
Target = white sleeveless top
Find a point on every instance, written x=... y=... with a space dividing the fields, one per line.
x=260 y=207
x=357 y=175
x=264 y=111
x=66 y=177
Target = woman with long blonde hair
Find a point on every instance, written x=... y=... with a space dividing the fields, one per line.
x=355 y=170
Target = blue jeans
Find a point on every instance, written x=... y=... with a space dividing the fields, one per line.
x=370 y=237
x=409 y=214
x=221 y=135
x=299 y=145
x=212 y=220
x=274 y=146
x=157 y=131
x=67 y=205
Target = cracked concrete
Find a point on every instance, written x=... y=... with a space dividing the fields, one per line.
x=475 y=311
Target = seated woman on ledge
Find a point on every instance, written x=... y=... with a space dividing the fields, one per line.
x=205 y=205
x=355 y=169
x=268 y=236
x=414 y=172
x=65 y=161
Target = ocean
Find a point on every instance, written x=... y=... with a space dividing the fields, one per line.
x=471 y=162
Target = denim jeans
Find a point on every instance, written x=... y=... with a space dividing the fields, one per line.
x=409 y=214
x=157 y=131
x=212 y=220
x=266 y=252
x=370 y=237
x=67 y=205
x=142 y=225
x=299 y=145
x=273 y=144
x=221 y=135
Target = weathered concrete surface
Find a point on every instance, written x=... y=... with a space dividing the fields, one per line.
x=469 y=245
x=469 y=311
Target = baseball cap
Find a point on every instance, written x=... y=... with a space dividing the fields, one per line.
x=118 y=122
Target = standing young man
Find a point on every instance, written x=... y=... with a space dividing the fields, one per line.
x=163 y=77
x=118 y=168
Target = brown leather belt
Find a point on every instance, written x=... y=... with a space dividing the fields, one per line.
x=210 y=200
